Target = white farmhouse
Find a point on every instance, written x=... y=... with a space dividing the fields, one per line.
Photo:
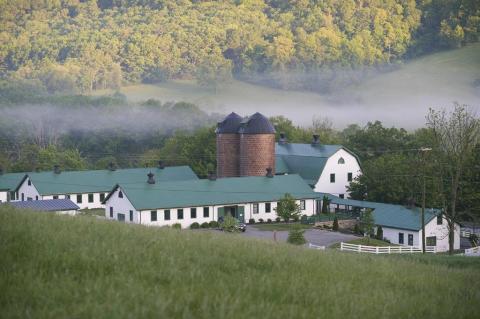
x=326 y=168
x=402 y=225
x=89 y=188
x=205 y=200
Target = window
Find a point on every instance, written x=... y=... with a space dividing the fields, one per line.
x=79 y=198
x=111 y=212
x=180 y=214
x=90 y=198
x=410 y=239
x=349 y=177
x=102 y=197
x=153 y=215
x=332 y=178
x=131 y=215
x=341 y=160
x=67 y=196
x=167 y=214
x=23 y=197
x=121 y=217
x=341 y=195
x=29 y=183
x=400 y=238
x=206 y=212
x=268 y=207
x=431 y=241
x=439 y=220
x=120 y=194
x=193 y=213
x=36 y=197
x=54 y=197
x=255 y=208
x=302 y=204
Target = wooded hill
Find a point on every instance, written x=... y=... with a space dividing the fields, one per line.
x=80 y=46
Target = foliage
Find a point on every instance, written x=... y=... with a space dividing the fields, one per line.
x=367 y=223
x=229 y=224
x=295 y=236
x=205 y=225
x=214 y=224
x=335 y=224
x=251 y=221
x=379 y=234
x=195 y=225
x=177 y=226
x=325 y=204
x=287 y=208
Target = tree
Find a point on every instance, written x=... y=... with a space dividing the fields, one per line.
x=287 y=208
x=325 y=204
x=335 y=224
x=379 y=235
x=456 y=135
x=367 y=223
x=229 y=224
x=295 y=236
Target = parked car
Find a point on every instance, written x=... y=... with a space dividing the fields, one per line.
x=242 y=227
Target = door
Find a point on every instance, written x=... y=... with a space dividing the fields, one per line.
x=241 y=213
x=410 y=240
x=220 y=213
x=121 y=217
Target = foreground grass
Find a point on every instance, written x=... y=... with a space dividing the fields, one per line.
x=280 y=226
x=60 y=266
x=366 y=241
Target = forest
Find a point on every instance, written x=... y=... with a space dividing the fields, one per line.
x=79 y=46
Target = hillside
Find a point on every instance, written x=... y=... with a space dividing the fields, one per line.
x=60 y=266
x=435 y=80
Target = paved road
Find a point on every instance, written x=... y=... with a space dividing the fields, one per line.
x=315 y=236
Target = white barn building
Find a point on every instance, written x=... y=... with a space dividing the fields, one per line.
x=205 y=200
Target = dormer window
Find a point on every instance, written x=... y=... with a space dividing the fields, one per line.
x=341 y=160
x=120 y=194
x=29 y=183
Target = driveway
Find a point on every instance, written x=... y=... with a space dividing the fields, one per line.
x=315 y=236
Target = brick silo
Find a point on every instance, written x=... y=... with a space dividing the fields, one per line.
x=228 y=146
x=257 y=146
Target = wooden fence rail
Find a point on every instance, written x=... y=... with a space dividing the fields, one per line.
x=385 y=249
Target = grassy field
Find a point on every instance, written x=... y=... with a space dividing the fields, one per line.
x=100 y=212
x=279 y=226
x=80 y=267
x=400 y=97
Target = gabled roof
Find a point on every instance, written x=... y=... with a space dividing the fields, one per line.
x=48 y=205
x=307 y=160
x=223 y=191
x=74 y=182
x=10 y=181
x=389 y=215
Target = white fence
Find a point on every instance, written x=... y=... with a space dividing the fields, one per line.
x=473 y=251
x=310 y=245
x=385 y=249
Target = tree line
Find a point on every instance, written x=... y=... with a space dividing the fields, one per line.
x=73 y=46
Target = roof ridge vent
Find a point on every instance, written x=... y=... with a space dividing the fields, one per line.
x=315 y=139
x=212 y=176
x=111 y=166
x=283 y=138
x=56 y=169
x=269 y=172
x=161 y=164
x=151 y=178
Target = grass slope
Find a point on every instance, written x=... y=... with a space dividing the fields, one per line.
x=60 y=266
x=401 y=97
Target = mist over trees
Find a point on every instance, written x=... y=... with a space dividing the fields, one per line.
x=73 y=46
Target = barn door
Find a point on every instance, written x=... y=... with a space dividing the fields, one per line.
x=241 y=213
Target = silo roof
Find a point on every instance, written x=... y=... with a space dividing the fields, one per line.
x=230 y=124
x=256 y=124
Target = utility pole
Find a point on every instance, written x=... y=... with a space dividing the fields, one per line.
x=424 y=150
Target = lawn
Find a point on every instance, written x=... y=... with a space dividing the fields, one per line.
x=366 y=241
x=80 y=267
x=279 y=226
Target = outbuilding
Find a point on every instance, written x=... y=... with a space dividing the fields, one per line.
x=61 y=206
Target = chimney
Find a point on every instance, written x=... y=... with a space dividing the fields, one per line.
x=212 y=176
x=151 y=179
x=283 y=139
x=111 y=166
x=161 y=165
x=269 y=172
x=315 y=140
x=56 y=169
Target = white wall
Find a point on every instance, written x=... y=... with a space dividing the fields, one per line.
x=28 y=191
x=84 y=204
x=441 y=232
x=341 y=173
x=121 y=206
x=185 y=222
x=392 y=235
x=309 y=211
x=3 y=196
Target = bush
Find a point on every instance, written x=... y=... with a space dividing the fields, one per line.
x=295 y=236
x=335 y=224
x=195 y=225
x=278 y=219
x=379 y=235
x=269 y=221
x=214 y=224
x=295 y=218
x=356 y=229
x=260 y=220
x=229 y=224
x=205 y=225
x=177 y=226
x=251 y=221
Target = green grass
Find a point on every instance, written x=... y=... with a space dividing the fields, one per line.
x=79 y=267
x=92 y=212
x=366 y=241
x=280 y=226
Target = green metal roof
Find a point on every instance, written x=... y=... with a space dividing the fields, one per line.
x=296 y=149
x=389 y=215
x=223 y=191
x=74 y=182
x=10 y=181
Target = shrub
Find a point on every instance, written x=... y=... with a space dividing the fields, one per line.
x=177 y=226
x=214 y=224
x=295 y=236
x=356 y=229
x=296 y=218
x=260 y=220
x=278 y=219
x=205 y=225
x=195 y=225
x=335 y=224
x=269 y=221
x=229 y=224
x=251 y=221
x=379 y=235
